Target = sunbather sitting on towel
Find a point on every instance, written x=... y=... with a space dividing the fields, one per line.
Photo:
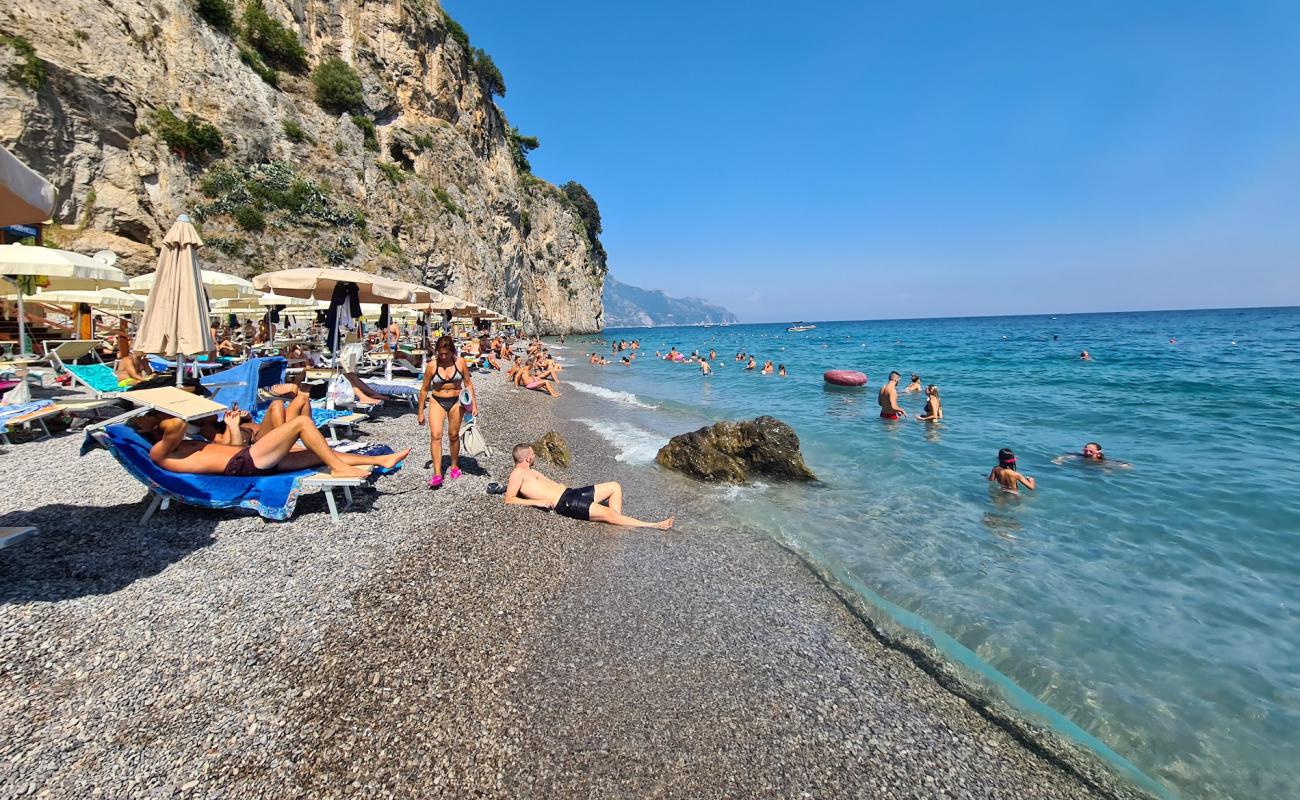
x=277 y=451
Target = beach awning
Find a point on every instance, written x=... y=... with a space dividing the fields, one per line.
x=317 y=283
x=25 y=197
x=29 y=266
x=219 y=285
x=107 y=299
x=260 y=302
x=175 y=321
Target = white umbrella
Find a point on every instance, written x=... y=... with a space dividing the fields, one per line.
x=218 y=285
x=25 y=197
x=107 y=299
x=58 y=269
x=175 y=321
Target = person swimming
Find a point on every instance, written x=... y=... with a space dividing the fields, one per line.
x=1006 y=475
x=914 y=386
x=781 y=370
x=1091 y=453
x=1085 y=356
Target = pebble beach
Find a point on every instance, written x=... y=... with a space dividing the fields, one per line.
x=444 y=644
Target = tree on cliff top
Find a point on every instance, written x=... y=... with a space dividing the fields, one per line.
x=520 y=147
x=487 y=71
x=588 y=211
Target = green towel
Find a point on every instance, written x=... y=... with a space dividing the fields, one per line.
x=99 y=377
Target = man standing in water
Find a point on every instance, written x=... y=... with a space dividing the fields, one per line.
x=600 y=503
x=888 y=399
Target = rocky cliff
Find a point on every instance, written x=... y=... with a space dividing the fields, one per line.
x=140 y=110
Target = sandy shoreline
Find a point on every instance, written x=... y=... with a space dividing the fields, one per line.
x=441 y=643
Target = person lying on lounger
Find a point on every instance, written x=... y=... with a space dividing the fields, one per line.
x=602 y=502
x=277 y=451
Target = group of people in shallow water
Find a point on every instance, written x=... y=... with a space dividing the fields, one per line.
x=888 y=399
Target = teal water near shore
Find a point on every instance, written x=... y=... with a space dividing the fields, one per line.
x=1154 y=606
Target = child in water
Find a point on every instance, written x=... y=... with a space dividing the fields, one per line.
x=1006 y=475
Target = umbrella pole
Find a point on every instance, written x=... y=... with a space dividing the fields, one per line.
x=22 y=324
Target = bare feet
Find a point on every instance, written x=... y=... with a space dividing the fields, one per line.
x=665 y=525
x=390 y=461
x=350 y=472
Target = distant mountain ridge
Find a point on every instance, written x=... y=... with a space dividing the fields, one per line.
x=633 y=307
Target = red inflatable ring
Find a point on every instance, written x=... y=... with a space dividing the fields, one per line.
x=845 y=377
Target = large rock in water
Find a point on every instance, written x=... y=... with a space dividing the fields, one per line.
x=552 y=448
x=735 y=452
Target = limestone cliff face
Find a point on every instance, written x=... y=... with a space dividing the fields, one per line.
x=440 y=200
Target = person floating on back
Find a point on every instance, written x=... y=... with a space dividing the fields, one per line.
x=602 y=502
x=1005 y=473
x=888 y=399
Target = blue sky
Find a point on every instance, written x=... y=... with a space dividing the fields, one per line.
x=842 y=160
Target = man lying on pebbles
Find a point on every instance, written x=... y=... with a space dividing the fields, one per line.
x=274 y=452
x=600 y=503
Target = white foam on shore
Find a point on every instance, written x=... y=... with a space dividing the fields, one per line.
x=633 y=445
x=616 y=396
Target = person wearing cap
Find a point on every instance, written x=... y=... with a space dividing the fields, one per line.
x=1005 y=473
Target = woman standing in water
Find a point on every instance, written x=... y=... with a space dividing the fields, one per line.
x=933 y=411
x=445 y=376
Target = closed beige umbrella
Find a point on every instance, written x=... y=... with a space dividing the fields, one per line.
x=175 y=321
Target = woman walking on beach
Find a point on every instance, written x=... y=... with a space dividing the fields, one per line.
x=445 y=376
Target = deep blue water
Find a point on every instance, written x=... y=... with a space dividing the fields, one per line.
x=1155 y=607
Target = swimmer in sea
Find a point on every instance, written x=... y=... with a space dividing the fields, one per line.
x=1085 y=356
x=1005 y=473
x=752 y=363
x=767 y=368
x=713 y=355
x=888 y=399
x=1091 y=453
x=933 y=411
x=914 y=386
x=704 y=368
x=781 y=371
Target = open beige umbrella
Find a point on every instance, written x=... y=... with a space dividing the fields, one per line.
x=25 y=197
x=175 y=321
x=218 y=285
x=107 y=299
x=317 y=283
x=28 y=266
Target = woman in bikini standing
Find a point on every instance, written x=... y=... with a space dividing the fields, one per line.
x=444 y=376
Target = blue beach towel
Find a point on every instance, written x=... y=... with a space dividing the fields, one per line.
x=99 y=377
x=272 y=496
x=319 y=416
x=9 y=412
x=393 y=388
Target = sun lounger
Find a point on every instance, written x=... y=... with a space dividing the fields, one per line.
x=25 y=415
x=61 y=352
x=98 y=378
x=272 y=496
x=90 y=408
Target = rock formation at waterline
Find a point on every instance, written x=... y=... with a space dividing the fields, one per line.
x=395 y=160
x=737 y=452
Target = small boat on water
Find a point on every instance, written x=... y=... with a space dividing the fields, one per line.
x=799 y=327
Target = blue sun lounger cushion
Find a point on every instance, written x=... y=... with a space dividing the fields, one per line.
x=272 y=496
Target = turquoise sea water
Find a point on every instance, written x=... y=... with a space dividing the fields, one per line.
x=1154 y=607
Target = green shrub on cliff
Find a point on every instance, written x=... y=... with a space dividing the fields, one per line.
x=391 y=171
x=444 y=199
x=192 y=139
x=250 y=57
x=276 y=44
x=338 y=87
x=588 y=212
x=294 y=132
x=31 y=72
x=487 y=72
x=217 y=13
x=271 y=189
x=520 y=147
x=250 y=219
x=455 y=31
x=369 y=139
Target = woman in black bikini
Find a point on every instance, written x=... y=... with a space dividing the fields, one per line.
x=445 y=376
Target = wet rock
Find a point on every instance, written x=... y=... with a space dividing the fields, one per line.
x=737 y=452
x=553 y=449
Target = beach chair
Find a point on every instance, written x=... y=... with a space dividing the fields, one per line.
x=12 y=536
x=26 y=415
x=61 y=352
x=273 y=496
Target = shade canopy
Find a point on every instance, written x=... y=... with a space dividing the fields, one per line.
x=260 y=302
x=219 y=285
x=62 y=269
x=425 y=295
x=175 y=320
x=107 y=299
x=317 y=283
x=369 y=310
x=25 y=197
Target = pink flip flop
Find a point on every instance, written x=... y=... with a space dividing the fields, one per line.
x=435 y=482
x=453 y=474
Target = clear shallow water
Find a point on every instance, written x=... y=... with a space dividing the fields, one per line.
x=1155 y=607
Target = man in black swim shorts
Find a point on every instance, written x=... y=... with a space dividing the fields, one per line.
x=602 y=502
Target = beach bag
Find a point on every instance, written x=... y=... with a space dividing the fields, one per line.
x=339 y=392
x=472 y=441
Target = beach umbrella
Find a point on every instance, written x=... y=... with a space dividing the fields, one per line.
x=107 y=299
x=30 y=266
x=346 y=289
x=25 y=197
x=218 y=285
x=175 y=321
